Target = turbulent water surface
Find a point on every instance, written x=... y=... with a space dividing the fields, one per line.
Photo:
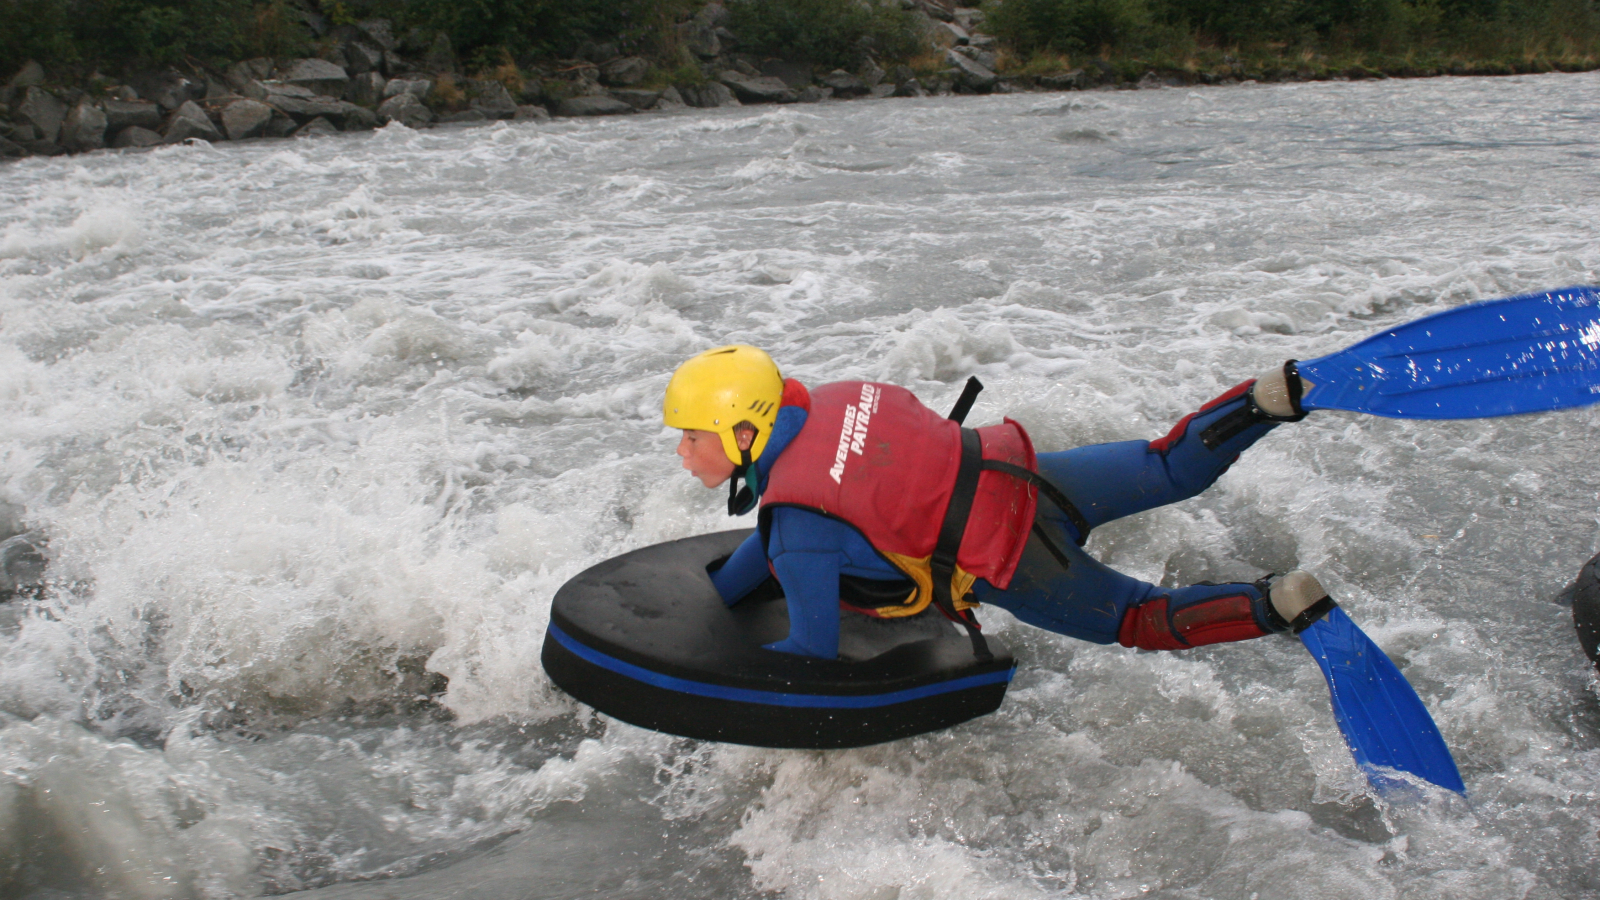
x=315 y=429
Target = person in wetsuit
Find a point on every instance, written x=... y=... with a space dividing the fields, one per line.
x=871 y=502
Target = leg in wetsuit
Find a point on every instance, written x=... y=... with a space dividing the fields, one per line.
x=1093 y=602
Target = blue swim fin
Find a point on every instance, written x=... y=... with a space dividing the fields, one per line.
x=1382 y=718
x=1532 y=353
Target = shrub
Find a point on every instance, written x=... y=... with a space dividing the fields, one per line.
x=828 y=33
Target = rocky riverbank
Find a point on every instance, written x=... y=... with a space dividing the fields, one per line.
x=366 y=76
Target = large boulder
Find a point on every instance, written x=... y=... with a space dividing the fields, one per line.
x=190 y=121
x=41 y=109
x=362 y=57
x=706 y=96
x=315 y=128
x=757 y=88
x=341 y=113
x=380 y=32
x=123 y=113
x=318 y=76
x=637 y=98
x=970 y=74
x=366 y=89
x=169 y=90
x=30 y=75
x=796 y=75
x=624 y=72
x=670 y=99
x=242 y=73
x=844 y=84
x=10 y=150
x=493 y=100
x=418 y=86
x=84 y=128
x=592 y=106
x=243 y=119
x=406 y=109
x=530 y=112
x=135 y=136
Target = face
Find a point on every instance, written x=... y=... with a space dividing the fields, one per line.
x=703 y=456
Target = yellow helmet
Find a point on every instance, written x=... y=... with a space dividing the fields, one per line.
x=718 y=389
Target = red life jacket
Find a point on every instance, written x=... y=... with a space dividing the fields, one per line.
x=872 y=456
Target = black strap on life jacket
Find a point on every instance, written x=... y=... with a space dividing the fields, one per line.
x=943 y=562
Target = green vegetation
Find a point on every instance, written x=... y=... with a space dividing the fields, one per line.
x=1208 y=39
x=828 y=33
x=1313 y=38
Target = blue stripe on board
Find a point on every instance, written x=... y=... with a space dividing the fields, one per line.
x=771 y=698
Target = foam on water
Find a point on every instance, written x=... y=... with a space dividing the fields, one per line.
x=315 y=430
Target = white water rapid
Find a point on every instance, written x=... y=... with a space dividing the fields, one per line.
x=312 y=431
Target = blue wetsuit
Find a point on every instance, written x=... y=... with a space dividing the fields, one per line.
x=1088 y=600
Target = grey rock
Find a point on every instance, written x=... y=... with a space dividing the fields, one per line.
x=346 y=115
x=169 y=90
x=705 y=96
x=241 y=73
x=970 y=74
x=493 y=101
x=968 y=17
x=366 y=89
x=10 y=150
x=41 y=109
x=725 y=37
x=910 y=88
x=624 y=72
x=406 y=109
x=981 y=57
x=464 y=117
x=181 y=128
x=135 y=136
x=638 y=99
x=901 y=74
x=532 y=113
x=670 y=99
x=844 y=84
x=796 y=75
x=380 y=32
x=700 y=39
x=952 y=35
x=30 y=75
x=815 y=93
x=1065 y=81
x=418 y=86
x=316 y=128
x=281 y=126
x=216 y=90
x=757 y=89
x=984 y=41
x=244 y=119
x=361 y=57
x=592 y=106
x=441 y=56
x=84 y=128
x=883 y=90
x=318 y=76
x=872 y=74
x=743 y=67
x=122 y=92
x=43 y=148
x=393 y=64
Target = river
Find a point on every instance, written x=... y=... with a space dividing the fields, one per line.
x=315 y=430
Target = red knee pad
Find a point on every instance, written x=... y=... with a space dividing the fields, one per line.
x=1218 y=621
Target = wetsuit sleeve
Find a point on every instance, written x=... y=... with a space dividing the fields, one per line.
x=744 y=571
x=811 y=586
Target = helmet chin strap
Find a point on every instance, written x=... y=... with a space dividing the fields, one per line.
x=742 y=500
